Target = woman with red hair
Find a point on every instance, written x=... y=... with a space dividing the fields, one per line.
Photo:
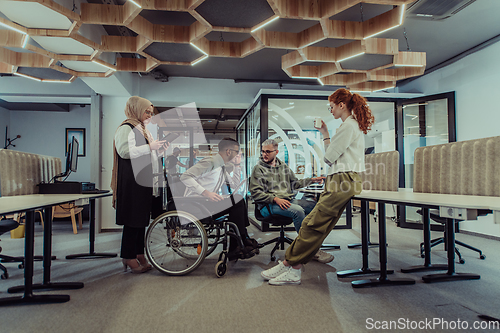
x=344 y=154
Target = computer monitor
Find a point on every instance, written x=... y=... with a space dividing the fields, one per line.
x=369 y=150
x=71 y=159
x=72 y=156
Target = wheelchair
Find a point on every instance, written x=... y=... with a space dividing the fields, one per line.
x=177 y=241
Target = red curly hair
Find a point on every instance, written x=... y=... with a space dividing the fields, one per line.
x=357 y=104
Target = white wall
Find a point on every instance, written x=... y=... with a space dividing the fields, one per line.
x=113 y=115
x=45 y=133
x=4 y=123
x=475 y=79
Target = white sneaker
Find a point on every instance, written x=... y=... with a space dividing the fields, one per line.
x=275 y=271
x=323 y=257
x=291 y=276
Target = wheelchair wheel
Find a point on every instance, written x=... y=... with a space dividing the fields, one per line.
x=220 y=269
x=176 y=243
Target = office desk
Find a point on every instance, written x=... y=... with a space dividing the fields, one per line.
x=28 y=204
x=452 y=207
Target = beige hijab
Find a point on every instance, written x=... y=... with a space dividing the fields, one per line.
x=134 y=110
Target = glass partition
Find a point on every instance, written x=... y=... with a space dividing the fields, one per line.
x=253 y=138
x=425 y=122
x=291 y=124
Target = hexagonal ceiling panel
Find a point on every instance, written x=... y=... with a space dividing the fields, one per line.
x=268 y=39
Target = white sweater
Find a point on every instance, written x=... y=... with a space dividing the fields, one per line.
x=346 y=151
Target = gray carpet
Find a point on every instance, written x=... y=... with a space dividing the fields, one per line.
x=115 y=301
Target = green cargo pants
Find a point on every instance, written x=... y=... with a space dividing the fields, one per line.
x=339 y=189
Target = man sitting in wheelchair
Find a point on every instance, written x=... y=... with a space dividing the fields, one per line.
x=207 y=177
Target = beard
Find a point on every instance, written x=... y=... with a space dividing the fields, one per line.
x=271 y=161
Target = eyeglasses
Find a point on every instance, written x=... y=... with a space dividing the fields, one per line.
x=267 y=151
x=330 y=108
x=236 y=151
x=149 y=113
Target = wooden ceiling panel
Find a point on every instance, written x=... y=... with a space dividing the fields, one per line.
x=318 y=38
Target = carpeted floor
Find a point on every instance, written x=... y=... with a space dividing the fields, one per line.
x=115 y=301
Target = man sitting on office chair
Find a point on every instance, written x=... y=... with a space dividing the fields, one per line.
x=271 y=185
x=207 y=177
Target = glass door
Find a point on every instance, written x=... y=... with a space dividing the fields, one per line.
x=424 y=121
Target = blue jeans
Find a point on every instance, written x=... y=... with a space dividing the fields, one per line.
x=298 y=210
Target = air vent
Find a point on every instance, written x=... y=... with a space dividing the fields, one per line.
x=436 y=9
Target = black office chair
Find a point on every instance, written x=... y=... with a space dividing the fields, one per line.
x=279 y=221
x=5 y=226
x=442 y=240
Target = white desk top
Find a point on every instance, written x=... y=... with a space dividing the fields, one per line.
x=433 y=199
x=20 y=203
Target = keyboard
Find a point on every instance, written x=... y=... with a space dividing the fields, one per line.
x=94 y=191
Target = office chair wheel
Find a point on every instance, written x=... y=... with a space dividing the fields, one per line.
x=176 y=243
x=273 y=258
x=220 y=269
x=482 y=256
x=461 y=261
x=21 y=266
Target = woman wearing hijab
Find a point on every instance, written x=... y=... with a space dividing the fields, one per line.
x=135 y=161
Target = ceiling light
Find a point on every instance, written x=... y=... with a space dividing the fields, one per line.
x=352 y=56
x=25 y=41
x=403 y=65
x=135 y=3
x=12 y=28
x=201 y=59
x=400 y=22
x=205 y=53
x=265 y=23
x=291 y=103
x=304 y=77
x=425 y=15
x=28 y=77
x=104 y=65
x=55 y=81
x=321 y=82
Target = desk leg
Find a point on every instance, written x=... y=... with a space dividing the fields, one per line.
x=92 y=254
x=365 y=218
x=47 y=254
x=450 y=275
x=353 y=246
x=382 y=238
x=28 y=297
x=427 y=248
